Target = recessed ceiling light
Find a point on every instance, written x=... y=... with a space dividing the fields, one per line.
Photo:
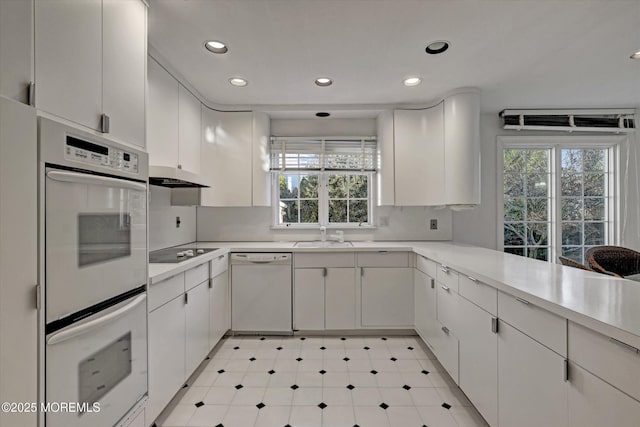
x=636 y=55
x=216 y=46
x=437 y=47
x=412 y=81
x=324 y=81
x=238 y=81
x=322 y=114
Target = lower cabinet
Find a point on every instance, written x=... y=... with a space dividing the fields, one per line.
x=531 y=382
x=387 y=297
x=308 y=299
x=340 y=298
x=424 y=301
x=197 y=326
x=594 y=403
x=218 y=307
x=167 y=326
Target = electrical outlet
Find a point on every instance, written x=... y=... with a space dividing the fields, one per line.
x=433 y=224
x=178 y=222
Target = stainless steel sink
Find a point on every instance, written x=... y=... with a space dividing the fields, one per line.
x=325 y=244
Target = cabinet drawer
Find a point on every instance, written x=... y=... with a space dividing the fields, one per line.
x=541 y=325
x=383 y=259
x=162 y=292
x=479 y=293
x=196 y=275
x=346 y=259
x=427 y=266
x=447 y=307
x=445 y=347
x=447 y=277
x=219 y=264
x=615 y=362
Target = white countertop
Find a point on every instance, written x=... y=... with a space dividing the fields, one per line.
x=607 y=304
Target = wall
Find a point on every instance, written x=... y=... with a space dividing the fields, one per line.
x=255 y=224
x=162 y=220
x=480 y=226
x=323 y=127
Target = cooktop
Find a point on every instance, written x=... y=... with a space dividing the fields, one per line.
x=171 y=255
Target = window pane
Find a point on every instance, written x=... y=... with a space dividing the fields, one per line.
x=513 y=209
x=514 y=160
x=513 y=184
x=572 y=233
x=537 y=235
x=289 y=186
x=288 y=211
x=573 y=252
x=309 y=187
x=358 y=186
x=594 y=233
x=308 y=211
x=594 y=208
x=595 y=159
x=337 y=211
x=594 y=184
x=515 y=251
x=514 y=234
x=537 y=185
x=537 y=209
x=572 y=208
x=538 y=253
x=358 y=211
x=572 y=160
x=337 y=186
x=537 y=160
x=571 y=184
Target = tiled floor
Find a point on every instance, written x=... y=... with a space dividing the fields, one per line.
x=323 y=381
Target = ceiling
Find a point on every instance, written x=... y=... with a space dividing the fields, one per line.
x=519 y=53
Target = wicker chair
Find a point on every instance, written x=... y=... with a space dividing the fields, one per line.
x=572 y=263
x=614 y=260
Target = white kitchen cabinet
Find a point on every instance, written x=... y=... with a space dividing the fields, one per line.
x=189 y=131
x=478 y=355
x=594 y=403
x=424 y=302
x=16 y=49
x=261 y=179
x=90 y=60
x=419 y=157
x=162 y=117
x=227 y=152
x=531 y=382
x=197 y=326
x=340 y=298
x=124 y=56
x=462 y=149
x=387 y=297
x=167 y=328
x=218 y=308
x=308 y=299
x=385 y=174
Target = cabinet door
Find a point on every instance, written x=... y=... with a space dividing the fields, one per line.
x=68 y=59
x=124 y=56
x=387 y=297
x=531 y=387
x=340 y=298
x=594 y=403
x=162 y=117
x=227 y=152
x=308 y=299
x=189 y=126
x=385 y=174
x=261 y=159
x=16 y=49
x=425 y=301
x=419 y=156
x=218 y=308
x=197 y=327
x=166 y=354
x=478 y=354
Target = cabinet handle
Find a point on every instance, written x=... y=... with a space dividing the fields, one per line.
x=210 y=283
x=444 y=269
x=361 y=271
x=38 y=298
x=565 y=370
x=445 y=288
x=624 y=345
x=105 y=123
x=324 y=272
x=473 y=279
x=221 y=256
x=445 y=330
x=179 y=166
x=524 y=301
x=31 y=94
x=433 y=283
x=494 y=325
x=186 y=298
x=383 y=252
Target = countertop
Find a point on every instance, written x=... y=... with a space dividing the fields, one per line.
x=606 y=304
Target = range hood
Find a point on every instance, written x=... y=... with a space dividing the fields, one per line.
x=166 y=176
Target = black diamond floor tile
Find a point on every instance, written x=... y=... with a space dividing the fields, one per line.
x=393 y=359
x=384 y=405
x=302 y=338
x=295 y=387
x=346 y=359
x=425 y=372
x=239 y=386
x=253 y=359
x=299 y=359
x=374 y=372
x=260 y=405
x=199 y=404
x=322 y=405
x=278 y=348
x=446 y=406
x=221 y=371
x=343 y=339
x=262 y=338
x=383 y=339
x=220 y=425
x=366 y=348
x=410 y=348
x=406 y=387
x=350 y=387
x=323 y=348
x=322 y=372
x=236 y=348
x=271 y=372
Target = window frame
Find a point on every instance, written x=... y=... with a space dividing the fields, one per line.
x=555 y=144
x=323 y=201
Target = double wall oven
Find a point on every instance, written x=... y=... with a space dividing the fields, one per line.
x=95 y=262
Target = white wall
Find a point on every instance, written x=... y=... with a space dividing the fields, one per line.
x=323 y=127
x=162 y=220
x=480 y=226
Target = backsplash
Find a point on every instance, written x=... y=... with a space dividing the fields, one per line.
x=162 y=220
x=255 y=224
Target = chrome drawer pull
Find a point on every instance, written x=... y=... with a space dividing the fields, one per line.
x=445 y=288
x=494 y=325
x=624 y=345
x=473 y=279
x=524 y=301
x=444 y=269
x=445 y=330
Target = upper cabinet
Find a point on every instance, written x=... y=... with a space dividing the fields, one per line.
x=431 y=156
x=189 y=131
x=162 y=117
x=90 y=60
x=16 y=49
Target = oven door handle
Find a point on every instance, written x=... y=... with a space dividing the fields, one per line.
x=83 y=328
x=83 y=178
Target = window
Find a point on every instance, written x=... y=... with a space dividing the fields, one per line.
x=322 y=181
x=557 y=195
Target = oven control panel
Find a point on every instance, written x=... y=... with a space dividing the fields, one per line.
x=81 y=151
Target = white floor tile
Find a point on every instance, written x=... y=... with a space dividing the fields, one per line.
x=368 y=416
x=359 y=365
x=396 y=397
x=389 y=379
x=310 y=365
x=417 y=379
x=273 y=416
x=408 y=365
x=282 y=379
x=309 y=379
x=453 y=396
x=366 y=397
x=305 y=416
x=285 y=365
x=436 y=416
x=256 y=379
x=362 y=379
x=219 y=395
x=337 y=396
x=280 y=396
x=237 y=365
x=193 y=395
x=312 y=353
x=240 y=416
x=335 y=365
x=227 y=379
x=248 y=396
x=208 y=416
x=384 y=365
x=340 y=379
x=468 y=417
x=357 y=353
x=267 y=353
x=180 y=416
x=338 y=416
x=307 y=396
x=261 y=365
x=406 y=416
x=425 y=396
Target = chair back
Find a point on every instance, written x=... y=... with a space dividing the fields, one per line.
x=572 y=263
x=614 y=259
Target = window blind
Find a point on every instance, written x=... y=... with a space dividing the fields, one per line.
x=324 y=154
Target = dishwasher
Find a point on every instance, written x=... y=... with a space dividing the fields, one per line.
x=261 y=294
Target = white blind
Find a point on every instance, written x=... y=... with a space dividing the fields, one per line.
x=324 y=154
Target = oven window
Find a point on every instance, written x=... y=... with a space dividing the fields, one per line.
x=103 y=370
x=103 y=237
